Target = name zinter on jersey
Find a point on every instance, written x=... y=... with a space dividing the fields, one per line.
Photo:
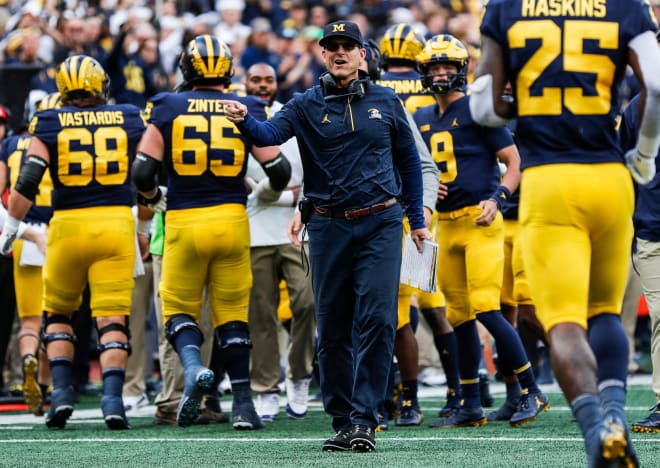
x=205 y=105
x=588 y=8
x=80 y=118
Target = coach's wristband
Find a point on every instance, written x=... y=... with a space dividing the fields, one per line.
x=500 y=195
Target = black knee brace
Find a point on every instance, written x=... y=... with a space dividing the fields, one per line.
x=120 y=327
x=180 y=322
x=60 y=336
x=233 y=334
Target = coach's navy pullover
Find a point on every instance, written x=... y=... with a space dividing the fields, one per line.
x=356 y=151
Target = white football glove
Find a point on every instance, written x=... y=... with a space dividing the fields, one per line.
x=262 y=191
x=158 y=203
x=640 y=166
x=9 y=232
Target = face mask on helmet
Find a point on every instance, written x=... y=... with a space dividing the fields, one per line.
x=206 y=60
x=400 y=45
x=80 y=77
x=445 y=49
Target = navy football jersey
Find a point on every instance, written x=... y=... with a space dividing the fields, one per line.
x=566 y=61
x=205 y=154
x=408 y=86
x=13 y=153
x=646 y=218
x=91 y=151
x=463 y=151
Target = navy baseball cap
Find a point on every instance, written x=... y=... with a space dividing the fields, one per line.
x=338 y=29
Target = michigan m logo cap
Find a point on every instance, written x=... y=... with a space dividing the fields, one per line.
x=341 y=29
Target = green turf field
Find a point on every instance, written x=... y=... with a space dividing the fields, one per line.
x=552 y=441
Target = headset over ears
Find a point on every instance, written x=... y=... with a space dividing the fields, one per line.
x=355 y=88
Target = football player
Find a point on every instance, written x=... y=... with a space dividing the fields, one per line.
x=470 y=229
x=565 y=67
x=87 y=146
x=207 y=240
x=400 y=46
x=28 y=262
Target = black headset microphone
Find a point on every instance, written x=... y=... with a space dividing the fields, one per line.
x=357 y=88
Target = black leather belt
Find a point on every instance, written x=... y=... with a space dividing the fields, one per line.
x=357 y=212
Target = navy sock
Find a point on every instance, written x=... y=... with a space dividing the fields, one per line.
x=613 y=398
x=237 y=363
x=447 y=347
x=410 y=391
x=513 y=391
x=509 y=349
x=609 y=343
x=113 y=381
x=61 y=370
x=468 y=339
x=586 y=409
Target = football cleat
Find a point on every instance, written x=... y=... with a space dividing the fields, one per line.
x=464 y=417
x=244 y=416
x=268 y=405
x=529 y=406
x=649 y=424
x=410 y=415
x=61 y=407
x=383 y=418
x=362 y=438
x=452 y=405
x=340 y=442
x=297 y=393
x=504 y=412
x=113 y=412
x=198 y=381
x=609 y=445
x=31 y=389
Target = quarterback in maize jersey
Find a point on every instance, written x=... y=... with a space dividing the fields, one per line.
x=207 y=237
x=565 y=63
x=87 y=146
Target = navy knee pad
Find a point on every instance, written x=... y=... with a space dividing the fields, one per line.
x=233 y=334
x=61 y=336
x=123 y=345
x=181 y=323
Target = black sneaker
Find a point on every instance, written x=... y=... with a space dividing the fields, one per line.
x=362 y=438
x=649 y=424
x=341 y=442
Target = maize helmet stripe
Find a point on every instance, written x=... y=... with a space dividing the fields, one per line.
x=206 y=58
x=401 y=42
